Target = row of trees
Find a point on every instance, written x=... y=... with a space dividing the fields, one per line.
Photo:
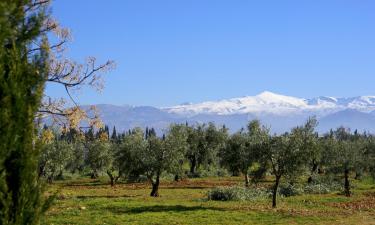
x=252 y=151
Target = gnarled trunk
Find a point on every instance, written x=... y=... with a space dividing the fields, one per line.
x=274 y=194
x=313 y=171
x=193 y=164
x=347 y=183
x=246 y=180
x=155 y=186
x=111 y=177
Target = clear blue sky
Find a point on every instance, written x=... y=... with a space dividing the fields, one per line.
x=169 y=52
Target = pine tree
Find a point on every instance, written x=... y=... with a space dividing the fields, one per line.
x=114 y=134
x=22 y=79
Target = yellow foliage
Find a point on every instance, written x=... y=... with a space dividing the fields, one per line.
x=103 y=136
x=47 y=136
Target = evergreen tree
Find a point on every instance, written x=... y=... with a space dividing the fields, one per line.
x=114 y=134
x=22 y=79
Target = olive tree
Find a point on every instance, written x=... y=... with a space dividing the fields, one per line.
x=152 y=156
x=204 y=145
x=369 y=154
x=310 y=146
x=128 y=154
x=99 y=157
x=54 y=158
x=235 y=155
x=343 y=154
x=113 y=169
x=285 y=156
x=164 y=155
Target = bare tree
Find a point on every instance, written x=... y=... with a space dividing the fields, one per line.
x=69 y=74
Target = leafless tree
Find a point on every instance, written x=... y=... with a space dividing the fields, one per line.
x=67 y=73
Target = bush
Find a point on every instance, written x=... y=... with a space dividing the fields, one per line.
x=317 y=189
x=288 y=190
x=237 y=194
x=136 y=178
x=193 y=175
x=323 y=185
x=212 y=172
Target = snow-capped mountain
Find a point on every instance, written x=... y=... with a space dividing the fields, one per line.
x=279 y=112
x=268 y=102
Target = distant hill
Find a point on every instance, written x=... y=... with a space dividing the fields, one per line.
x=279 y=112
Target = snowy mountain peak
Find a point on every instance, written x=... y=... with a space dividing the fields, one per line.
x=272 y=103
x=270 y=97
x=269 y=94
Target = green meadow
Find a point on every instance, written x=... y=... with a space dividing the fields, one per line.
x=89 y=201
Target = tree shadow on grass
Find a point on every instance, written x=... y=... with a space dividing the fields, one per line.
x=159 y=208
x=84 y=197
x=86 y=184
x=185 y=187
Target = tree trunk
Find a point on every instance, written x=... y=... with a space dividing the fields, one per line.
x=274 y=194
x=358 y=175
x=41 y=171
x=246 y=180
x=313 y=171
x=94 y=175
x=193 y=164
x=60 y=176
x=347 y=183
x=50 y=179
x=235 y=173
x=155 y=187
x=112 y=178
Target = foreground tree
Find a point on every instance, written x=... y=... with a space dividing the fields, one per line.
x=99 y=157
x=164 y=155
x=54 y=159
x=242 y=150
x=343 y=154
x=310 y=146
x=113 y=168
x=152 y=156
x=369 y=155
x=22 y=78
x=204 y=145
x=128 y=154
x=285 y=156
x=235 y=155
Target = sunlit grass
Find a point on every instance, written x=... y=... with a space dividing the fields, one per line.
x=86 y=201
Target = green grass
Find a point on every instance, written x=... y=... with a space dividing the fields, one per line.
x=85 y=201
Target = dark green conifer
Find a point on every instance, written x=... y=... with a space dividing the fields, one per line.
x=22 y=78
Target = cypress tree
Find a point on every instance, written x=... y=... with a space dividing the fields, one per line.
x=114 y=134
x=22 y=79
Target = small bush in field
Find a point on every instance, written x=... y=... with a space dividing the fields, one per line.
x=288 y=190
x=237 y=194
x=323 y=185
x=317 y=189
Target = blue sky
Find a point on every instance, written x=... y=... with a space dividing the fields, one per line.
x=169 y=52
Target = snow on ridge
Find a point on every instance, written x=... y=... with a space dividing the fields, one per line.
x=268 y=102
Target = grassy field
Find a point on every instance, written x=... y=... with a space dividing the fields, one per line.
x=86 y=201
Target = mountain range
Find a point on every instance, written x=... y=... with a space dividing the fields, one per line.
x=279 y=112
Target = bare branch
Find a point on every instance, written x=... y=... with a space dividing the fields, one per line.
x=52 y=113
x=36 y=4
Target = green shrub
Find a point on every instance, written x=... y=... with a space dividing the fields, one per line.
x=211 y=172
x=323 y=185
x=237 y=194
x=317 y=189
x=288 y=190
